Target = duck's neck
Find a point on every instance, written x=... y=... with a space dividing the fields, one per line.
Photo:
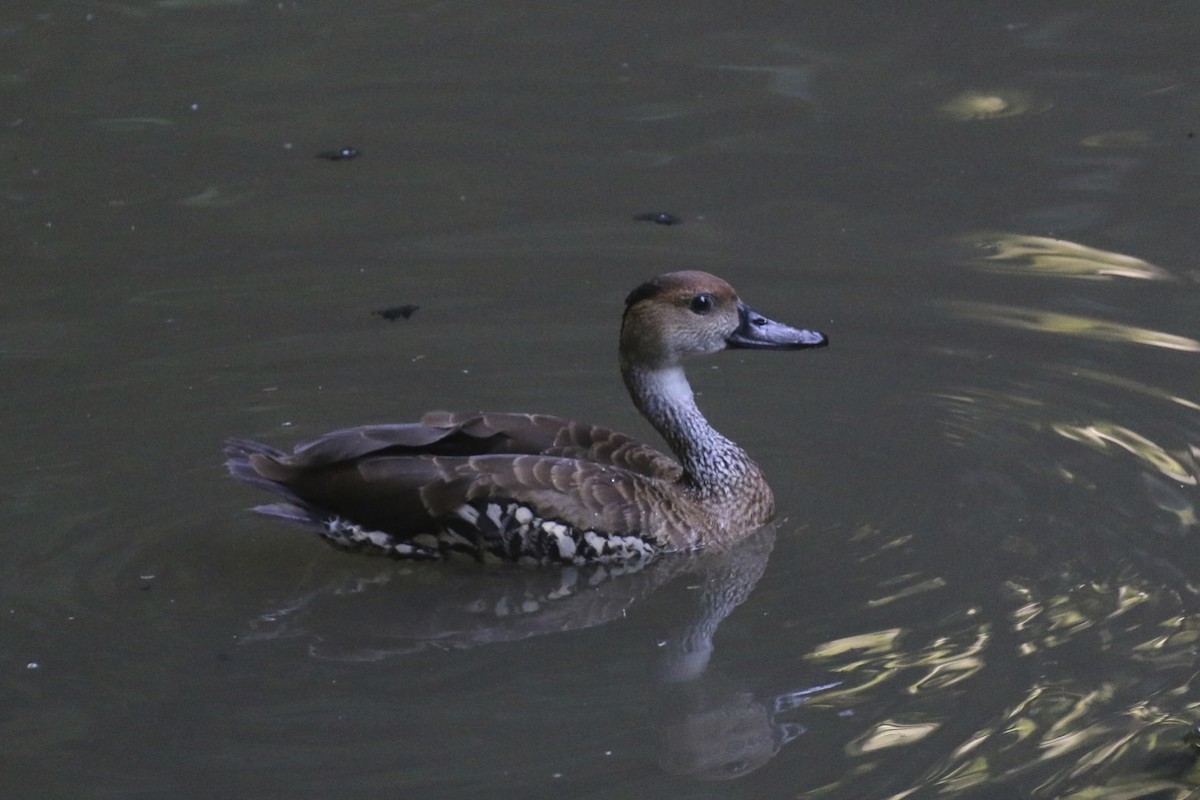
x=713 y=465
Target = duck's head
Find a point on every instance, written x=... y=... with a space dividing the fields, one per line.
x=678 y=315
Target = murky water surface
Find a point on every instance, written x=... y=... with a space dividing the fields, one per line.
x=983 y=581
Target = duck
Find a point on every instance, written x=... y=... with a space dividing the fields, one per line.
x=541 y=489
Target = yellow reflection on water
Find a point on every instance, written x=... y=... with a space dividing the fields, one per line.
x=908 y=591
x=890 y=733
x=871 y=643
x=1100 y=435
x=1118 y=139
x=985 y=104
x=1020 y=254
x=1129 y=385
x=881 y=656
x=1175 y=646
x=1051 y=621
x=1103 y=735
x=1032 y=319
x=1054 y=723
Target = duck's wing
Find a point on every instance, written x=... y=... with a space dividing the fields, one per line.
x=433 y=435
x=543 y=434
x=444 y=433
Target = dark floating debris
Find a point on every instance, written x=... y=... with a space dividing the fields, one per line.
x=393 y=313
x=658 y=217
x=343 y=154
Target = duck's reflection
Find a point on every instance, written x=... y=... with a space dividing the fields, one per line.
x=708 y=726
x=712 y=728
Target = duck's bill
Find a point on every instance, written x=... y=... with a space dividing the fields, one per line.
x=756 y=332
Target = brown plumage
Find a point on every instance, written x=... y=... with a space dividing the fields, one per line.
x=542 y=488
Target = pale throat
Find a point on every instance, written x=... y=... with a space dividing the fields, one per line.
x=710 y=460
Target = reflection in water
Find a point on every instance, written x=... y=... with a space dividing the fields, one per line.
x=1118 y=139
x=927 y=585
x=1097 y=738
x=1099 y=435
x=890 y=733
x=1097 y=473
x=356 y=619
x=973 y=412
x=1173 y=501
x=218 y=197
x=1146 y=390
x=710 y=727
x=1107 y=731
x=1167 y=473
x=1049 y=622
x=1020 y=254
x=992 y=104
x=457 y=605
x=1069 y=325
x=888 y=655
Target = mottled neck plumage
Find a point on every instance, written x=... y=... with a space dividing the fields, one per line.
x=713 y=465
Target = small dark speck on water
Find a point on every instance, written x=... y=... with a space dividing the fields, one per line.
x=658 y=217
x=393 y=313
x=342 y=154
x=1191 y=134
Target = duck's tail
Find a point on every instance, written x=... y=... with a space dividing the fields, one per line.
x=243 y=459
x=240 y=463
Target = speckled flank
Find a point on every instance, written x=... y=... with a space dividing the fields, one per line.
x=346 y=535
x=506 y=530
x=514 y=531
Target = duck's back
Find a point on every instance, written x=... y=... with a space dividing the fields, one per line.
x=447 y=433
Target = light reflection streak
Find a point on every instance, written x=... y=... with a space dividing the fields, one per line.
x=1088 y=739
x=1088 y=746
x=975 y=104
x=1032 y=319
x=1170 y=471
x=1054 y=620
x=1175 y=647
x=1064 y=738
x=917 y=588
x=1099 y=733
x=1099 y=435
x=890 y=733
x=872 y=643
x=1118 y=139
x=1020 y=254
x=1127 y=384
x=945 y=661
x=949 y=672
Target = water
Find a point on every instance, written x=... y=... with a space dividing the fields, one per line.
x=983 y=579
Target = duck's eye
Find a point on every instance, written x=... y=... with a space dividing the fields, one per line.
x=702 y=303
